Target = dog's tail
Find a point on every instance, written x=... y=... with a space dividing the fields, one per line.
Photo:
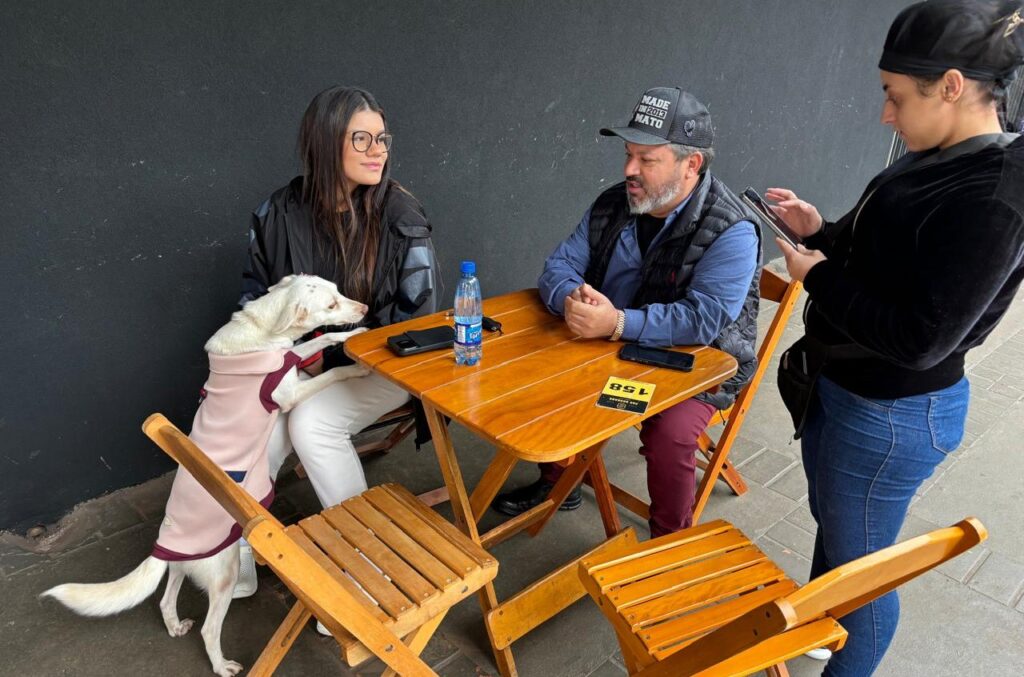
x=104 y=599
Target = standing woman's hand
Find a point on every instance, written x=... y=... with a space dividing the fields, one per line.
x=801 y=216
x=799 y=261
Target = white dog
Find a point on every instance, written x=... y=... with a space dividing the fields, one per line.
x=253 y=375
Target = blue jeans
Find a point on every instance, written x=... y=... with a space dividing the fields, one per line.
x=864 y=459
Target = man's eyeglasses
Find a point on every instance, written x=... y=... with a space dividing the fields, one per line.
x=361 y=141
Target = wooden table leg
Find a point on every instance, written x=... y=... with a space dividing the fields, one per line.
x=571 y=476
x=491 y=482
x=598 y=479
x=463 y=512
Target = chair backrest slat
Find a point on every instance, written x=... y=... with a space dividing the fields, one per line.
x=242 y=507
x=857 y=583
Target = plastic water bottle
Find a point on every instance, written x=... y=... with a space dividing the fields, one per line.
x=469 y=312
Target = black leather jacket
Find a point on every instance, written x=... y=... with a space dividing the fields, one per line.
x=281 y=242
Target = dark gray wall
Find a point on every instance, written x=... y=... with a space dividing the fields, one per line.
x=137 y=136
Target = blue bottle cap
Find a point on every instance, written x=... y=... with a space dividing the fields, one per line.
x=468 y=268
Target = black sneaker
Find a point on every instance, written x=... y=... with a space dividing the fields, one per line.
x=520 y=500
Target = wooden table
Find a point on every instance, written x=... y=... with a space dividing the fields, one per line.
x=533 y=396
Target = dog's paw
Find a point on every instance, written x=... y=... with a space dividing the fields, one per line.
x=337 y=336
x=182 y=627
x=356 y=371
x=228 y=669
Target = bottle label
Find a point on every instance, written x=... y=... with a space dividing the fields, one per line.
x=469 y=334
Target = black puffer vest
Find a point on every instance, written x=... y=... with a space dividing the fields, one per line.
x=667 y=267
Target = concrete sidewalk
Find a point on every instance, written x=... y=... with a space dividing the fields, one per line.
x=967 y=617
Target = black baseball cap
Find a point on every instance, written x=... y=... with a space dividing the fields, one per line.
x=667 y=115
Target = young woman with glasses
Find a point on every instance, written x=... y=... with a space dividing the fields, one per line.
x=345 y=220
x=918 y=273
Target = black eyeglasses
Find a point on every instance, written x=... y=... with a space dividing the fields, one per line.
x=361 y=141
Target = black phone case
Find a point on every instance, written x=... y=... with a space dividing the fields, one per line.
x=422 y=340
x=770 y=218
x=626 y=353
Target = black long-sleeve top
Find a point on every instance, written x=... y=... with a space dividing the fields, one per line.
x=922 y=274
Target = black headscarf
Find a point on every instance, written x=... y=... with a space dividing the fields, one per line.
x=983 y=40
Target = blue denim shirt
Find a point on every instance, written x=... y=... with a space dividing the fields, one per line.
x=713 y=298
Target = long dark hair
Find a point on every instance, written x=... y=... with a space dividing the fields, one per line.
x=325 y=188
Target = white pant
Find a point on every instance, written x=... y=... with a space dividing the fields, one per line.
x=321 y=429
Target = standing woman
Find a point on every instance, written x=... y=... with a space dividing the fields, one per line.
x=345 y=220
x=918 y=273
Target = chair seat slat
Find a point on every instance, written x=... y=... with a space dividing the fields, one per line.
x=447 y=530
x=695 y=596
x=684 y=576
x=595 y=564
x=300 y=538
x=673 y=632
x=407 y=579
x=673 y=558
x=421 y=532
x=396 y=539
x=360 y=568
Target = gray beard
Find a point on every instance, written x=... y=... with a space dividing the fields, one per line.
x=663 y=197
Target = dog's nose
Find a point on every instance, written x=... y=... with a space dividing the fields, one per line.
x=363 y=308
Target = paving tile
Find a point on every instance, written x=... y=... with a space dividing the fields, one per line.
x=743 y=449
x=1008 y=390
x=803 y=518
x=986 y=483
x=980 y=382
x=946 y=629
x=608 y=669
x=999 y=577
x=754 y=512
x=976 y=427
x=962 y=568
x=14 y=559
x=793 y=563
x=793 y=537
x=464 y=667
x=792 y=483
x=766 y=466
x=987 y=373
x=439 y=651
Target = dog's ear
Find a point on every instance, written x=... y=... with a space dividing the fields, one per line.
x=283 y=282
x=294 y=313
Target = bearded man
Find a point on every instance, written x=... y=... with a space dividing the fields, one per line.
x=668 y=257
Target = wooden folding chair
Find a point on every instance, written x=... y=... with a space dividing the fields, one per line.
x=379 y=567
x=706 y=601
x=402 y=421
x=715 y=462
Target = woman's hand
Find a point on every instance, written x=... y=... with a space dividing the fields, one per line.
x=802 y=217
x=800 y=260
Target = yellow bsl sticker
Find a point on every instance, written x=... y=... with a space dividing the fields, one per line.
x=625 y=395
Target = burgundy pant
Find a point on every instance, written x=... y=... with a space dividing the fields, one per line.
x=669 y=443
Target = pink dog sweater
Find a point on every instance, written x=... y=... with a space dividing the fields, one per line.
x=235 y=417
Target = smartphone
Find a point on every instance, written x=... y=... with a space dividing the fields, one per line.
x=422 y=340
x=658 y=357
x=761 y=208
